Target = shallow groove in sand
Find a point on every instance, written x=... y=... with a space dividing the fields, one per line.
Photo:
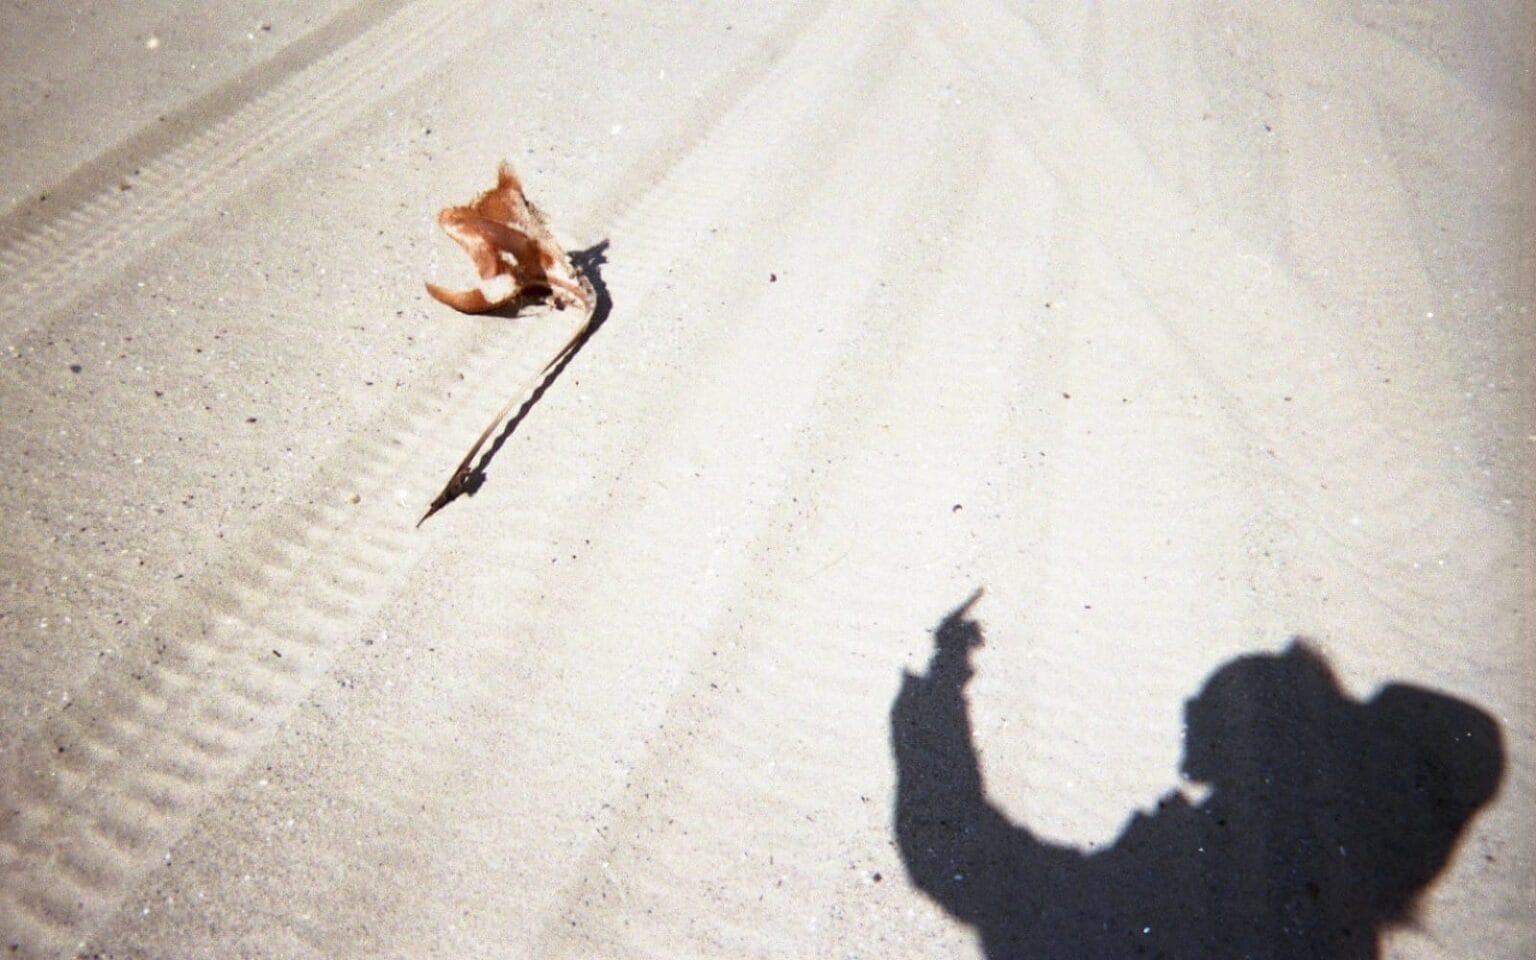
x=712 y=738
x=51 y=264
x=1248 y=330
x=236 y=656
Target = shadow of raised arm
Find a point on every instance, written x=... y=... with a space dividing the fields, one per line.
x=958 y=848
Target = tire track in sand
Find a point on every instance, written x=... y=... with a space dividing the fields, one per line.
x=100 y=790
x=49 y=264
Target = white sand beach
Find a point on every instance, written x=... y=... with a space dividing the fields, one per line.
x=1179 y=331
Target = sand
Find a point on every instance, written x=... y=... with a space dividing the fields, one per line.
x=1180 y=333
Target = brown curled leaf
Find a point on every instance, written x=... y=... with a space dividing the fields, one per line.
x=513 y=251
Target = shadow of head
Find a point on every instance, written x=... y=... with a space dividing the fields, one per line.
x=1259 y=709
x=1396 y=776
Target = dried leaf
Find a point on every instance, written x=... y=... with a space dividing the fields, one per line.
x=513 y=251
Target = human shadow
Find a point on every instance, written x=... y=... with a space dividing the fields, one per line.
x=1326 y=818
